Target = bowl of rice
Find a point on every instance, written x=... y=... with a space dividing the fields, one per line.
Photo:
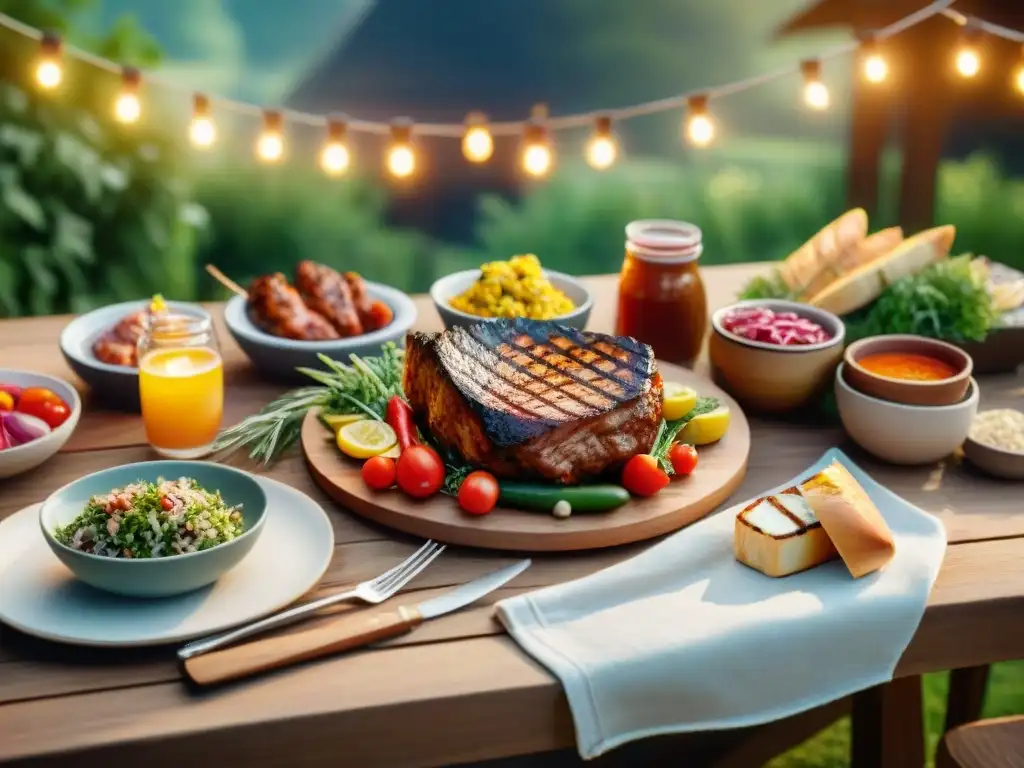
x=995 y=443
x=155 y=528
x=517 y=288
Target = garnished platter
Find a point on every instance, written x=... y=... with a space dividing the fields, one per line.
x=519 y=464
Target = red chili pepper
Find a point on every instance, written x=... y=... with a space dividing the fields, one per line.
x=399 y=418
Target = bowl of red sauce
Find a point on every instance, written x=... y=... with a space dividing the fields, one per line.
x=913 y=370
x=775 y=356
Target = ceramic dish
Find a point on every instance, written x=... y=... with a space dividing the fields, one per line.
x=279 y=357
x=160 y=576
x=768 y=377
x=445 y=289
x=22 y=458
x=997 y=462
x=942 y=392
x=900 y=433
x=42 y=598
x=116 y=385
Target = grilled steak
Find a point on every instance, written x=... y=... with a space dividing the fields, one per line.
x=535 y=399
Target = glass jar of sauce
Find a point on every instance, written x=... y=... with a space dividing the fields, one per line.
x=661 y=295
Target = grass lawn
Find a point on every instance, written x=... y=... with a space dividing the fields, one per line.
x=831 y=747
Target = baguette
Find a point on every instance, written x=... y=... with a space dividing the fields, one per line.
x=852 y=521
x=779 y=535
x=866 y=283
x=802 y=266
x=866 y=251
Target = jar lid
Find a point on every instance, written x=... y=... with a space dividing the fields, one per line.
x=664 y=240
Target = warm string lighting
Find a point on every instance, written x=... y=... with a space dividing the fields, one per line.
x=602 y=148
x=127 y=107
x=401 y=156
x=334 y=155
x=968 y=60
x=700 y=129
x=537 y=157
x=477 y=142
x=201 y=130
x=1018 y=79
x=49 y=71
x=270 y=144
x=876 y=69
x=815 y=92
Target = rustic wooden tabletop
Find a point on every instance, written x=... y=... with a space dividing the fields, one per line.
x=458 y=690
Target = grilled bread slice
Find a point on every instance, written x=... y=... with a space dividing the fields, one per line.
x=806 y=263
x=851 y=519
x=779 y=535
x=866 y=283
x=850 y=259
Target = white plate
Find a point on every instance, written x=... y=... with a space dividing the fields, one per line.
x=40 y=596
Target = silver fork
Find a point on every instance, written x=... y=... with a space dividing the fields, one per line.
x=373 y=591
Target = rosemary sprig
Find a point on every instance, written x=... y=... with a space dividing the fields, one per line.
x=668 y=430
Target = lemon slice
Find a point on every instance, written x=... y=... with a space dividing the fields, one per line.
x=677 y=401
x=338 y=420
x=365 y=438
x=706 y=428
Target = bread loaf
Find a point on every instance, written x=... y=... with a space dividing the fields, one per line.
x=874 y=246
x=826 y=247
x=779 y=535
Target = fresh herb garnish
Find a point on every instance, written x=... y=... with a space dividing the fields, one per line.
x=770 y=287
x=454 y=474
x=668 y=430
x=364 y=387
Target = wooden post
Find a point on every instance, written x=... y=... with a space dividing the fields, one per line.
x=888 y=726
x=869 y=126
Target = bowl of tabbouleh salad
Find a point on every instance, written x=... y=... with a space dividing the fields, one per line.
x=155 y=528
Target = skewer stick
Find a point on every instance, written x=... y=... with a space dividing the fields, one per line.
x=226 y=281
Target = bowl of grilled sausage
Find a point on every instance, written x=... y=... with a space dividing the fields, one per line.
x=282 y=326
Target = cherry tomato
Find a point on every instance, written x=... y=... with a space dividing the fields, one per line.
x=420 y=471
x=44 y=404
x=380 y=315
x=167 y=504
x=478 y=493
x=642 y=476
x=378 y=472
x=683 y=457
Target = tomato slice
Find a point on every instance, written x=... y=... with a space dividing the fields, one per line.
x=44 y=404
x=642 y=476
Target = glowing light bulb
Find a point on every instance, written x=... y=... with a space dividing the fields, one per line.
x=815 y=93
x=202 y=131
x=968 y=60
x=537 y=155
x=602 y=149
x=401 y=158
x=1019 y=79
x=477 y=142
x=127 y=107
x=49 y=72
x=700 y=129
x=875 y=68
x=334 y=157
x=270 y=144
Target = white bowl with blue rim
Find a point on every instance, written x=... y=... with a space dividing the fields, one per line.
x=447 y=288
x=158 y=576
x=279 y=358
x=115 y=385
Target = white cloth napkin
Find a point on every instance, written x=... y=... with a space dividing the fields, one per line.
x=684 y=638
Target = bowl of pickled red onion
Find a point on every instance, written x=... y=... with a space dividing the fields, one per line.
x=775 y=356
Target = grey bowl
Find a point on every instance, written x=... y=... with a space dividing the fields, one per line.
x=279 y=357
x=445 y=289
x=162 y=576
x=115 y=385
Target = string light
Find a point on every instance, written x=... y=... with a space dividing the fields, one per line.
x=334 y=157
x=876 y=69
x=202 y=131
x=815 y=92
x=1019 y=78
x=270 y=144
x=49 y=71
x=968 y=62
x=700 y=129
x=477 y=142
x=401 y=157
x=128 y=108
x=537 y=157
x=602 y=149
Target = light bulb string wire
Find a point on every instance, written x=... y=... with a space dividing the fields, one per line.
x=580 y=120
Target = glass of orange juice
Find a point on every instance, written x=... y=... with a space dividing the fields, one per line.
x=181 y=385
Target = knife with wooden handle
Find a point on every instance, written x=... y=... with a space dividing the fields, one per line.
x=352 y=631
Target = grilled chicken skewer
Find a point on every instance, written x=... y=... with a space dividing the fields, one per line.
x=279 y=310
x=326 y=291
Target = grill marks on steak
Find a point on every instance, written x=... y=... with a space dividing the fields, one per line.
x=529 y=398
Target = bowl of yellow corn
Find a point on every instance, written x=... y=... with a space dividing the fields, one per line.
x=519 y=287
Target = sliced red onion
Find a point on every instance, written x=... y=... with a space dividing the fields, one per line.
x=780 y=328
x=22 y=428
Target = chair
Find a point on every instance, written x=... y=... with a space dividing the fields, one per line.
x=994 y=743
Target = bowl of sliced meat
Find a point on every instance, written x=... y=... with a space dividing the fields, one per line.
x=101 y=346
x=283 y=326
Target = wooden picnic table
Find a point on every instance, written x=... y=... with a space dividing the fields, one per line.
x=459 y=690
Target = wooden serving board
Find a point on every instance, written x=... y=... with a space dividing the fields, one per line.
x=720 y=470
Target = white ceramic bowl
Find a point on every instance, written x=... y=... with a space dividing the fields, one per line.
x=904 y=434
x=445 y=289
x=115 y=385
x=22 y=458
x=279 y=357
